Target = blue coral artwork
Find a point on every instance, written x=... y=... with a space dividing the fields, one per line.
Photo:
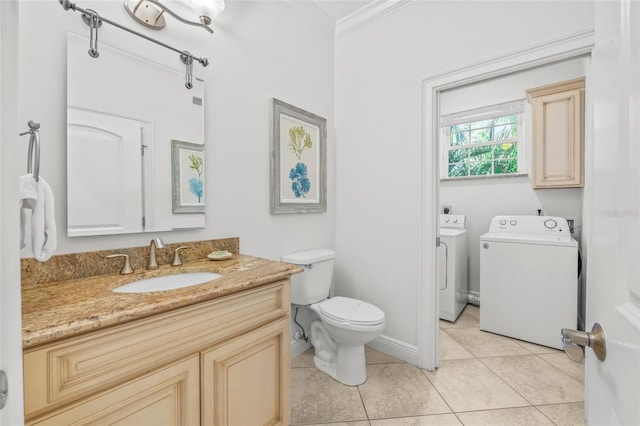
x=188 y=177
x=300 y=158
x=300 y=183
x=192 y=170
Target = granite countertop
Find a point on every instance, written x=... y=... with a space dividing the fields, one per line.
x=58 y=309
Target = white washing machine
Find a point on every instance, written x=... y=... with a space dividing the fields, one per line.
x=452 y=266
x=529 y=278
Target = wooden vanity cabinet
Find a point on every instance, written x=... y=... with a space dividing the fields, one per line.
x=558 y=135
x=220 y=362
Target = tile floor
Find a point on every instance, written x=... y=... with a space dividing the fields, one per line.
x=483 y=379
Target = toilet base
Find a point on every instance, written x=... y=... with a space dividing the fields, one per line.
x=350 y=367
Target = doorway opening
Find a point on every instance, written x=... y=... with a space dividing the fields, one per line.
x=560 y=51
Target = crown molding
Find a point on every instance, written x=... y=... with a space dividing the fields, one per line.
x=368 y=15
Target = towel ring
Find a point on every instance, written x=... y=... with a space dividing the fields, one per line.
x=33 y=162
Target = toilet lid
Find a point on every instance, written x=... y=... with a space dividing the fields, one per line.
x=345 y=310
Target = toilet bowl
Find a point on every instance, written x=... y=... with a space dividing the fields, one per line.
x=339 y=336
x=345 y=324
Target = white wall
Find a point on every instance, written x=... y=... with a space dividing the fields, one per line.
x=379 y=70
x=482 y=199
x=260 y=50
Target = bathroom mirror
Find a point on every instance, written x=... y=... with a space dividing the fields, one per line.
x=123 y=112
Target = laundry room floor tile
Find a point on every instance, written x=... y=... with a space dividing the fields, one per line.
x=536 y=380
x=537 y=349
x=470 y=317
x=483 y=344
x=467 y=385
x=450 y=349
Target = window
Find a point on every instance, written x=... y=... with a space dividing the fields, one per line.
x=483 y=142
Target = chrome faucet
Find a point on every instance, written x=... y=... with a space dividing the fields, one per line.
x=155 y=243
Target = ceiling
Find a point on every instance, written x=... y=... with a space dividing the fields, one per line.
x=338 y=9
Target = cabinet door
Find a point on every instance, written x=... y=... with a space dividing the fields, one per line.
x=558 y=135
x=245 y=381
x=167 y=396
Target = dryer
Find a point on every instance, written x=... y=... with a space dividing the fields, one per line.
x=529 y=278
x=452 y=266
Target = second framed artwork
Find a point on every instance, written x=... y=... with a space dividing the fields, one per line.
x=187 y=176
x=298 y=160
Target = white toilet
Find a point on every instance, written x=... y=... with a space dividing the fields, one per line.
x=345 y=324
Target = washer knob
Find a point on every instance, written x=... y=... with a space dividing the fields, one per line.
x=446 y=220
x=455 y=220
x=550 y=223
x=503 y=222
x=513 y=222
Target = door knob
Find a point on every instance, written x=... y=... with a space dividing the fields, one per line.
x=574 y=341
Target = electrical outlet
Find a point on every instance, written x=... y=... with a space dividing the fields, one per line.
x=571 y=223
x=446 y=209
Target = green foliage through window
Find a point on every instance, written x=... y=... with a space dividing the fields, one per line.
x=484 y=147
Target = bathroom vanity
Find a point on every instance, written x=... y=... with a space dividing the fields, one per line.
x=215 y=353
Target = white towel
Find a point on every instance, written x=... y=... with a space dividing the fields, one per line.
x=28 y=192
x=43 y=224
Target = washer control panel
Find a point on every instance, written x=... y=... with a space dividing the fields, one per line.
x=530 y=225
x=452 y=221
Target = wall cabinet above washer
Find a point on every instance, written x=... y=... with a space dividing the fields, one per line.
x=558 y=135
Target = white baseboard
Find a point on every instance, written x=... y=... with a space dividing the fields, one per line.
x=298 y=347
x=396 y=349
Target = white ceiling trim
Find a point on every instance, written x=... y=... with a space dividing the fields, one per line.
x=368 y=15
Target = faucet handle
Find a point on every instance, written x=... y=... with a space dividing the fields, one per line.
x=176 y=256
x=126 y=266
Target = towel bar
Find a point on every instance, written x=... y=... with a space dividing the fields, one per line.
x=33 y=163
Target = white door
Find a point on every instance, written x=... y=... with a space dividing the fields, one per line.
x=104 y=174
x=12 y=163
x=613 y=203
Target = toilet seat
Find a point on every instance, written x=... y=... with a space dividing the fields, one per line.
x=350 y=312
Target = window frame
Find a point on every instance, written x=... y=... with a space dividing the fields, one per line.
x=516 y=107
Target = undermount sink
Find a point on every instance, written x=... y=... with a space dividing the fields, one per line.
x=167 y=282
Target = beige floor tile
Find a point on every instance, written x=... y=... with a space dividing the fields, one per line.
x=450 y=349
x=537 y=349
x=376 y=357
x=399 y=390
x=466 y=385
x=469 y=318
x=304 y=360
x=526 y=416
x=435 y=420
x=483 y=344
x=562 y=362
x=360 y=423
x=571 y=414
x=317 y=398
x=536 y=380
x=472 y=311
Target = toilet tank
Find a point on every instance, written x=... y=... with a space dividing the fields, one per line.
x=314 y=284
